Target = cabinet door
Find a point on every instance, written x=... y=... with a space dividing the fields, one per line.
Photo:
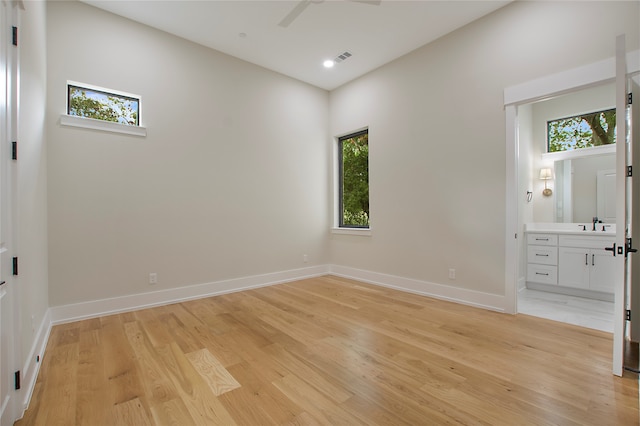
x=602 y=270
x=573 y=267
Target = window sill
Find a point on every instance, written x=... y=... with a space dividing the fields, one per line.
x=105 y=126
x=363 y=232
x=579 y=153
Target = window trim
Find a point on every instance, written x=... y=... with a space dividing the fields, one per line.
x=340 y=227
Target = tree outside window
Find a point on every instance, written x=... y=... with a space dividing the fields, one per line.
x=354 y=180
x=582 y=131
x=102 y=105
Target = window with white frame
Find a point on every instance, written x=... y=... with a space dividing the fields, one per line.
x=582 y=131
x=353 y=176
x=103 y=104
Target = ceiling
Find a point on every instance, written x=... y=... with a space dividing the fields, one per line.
x=375 y=32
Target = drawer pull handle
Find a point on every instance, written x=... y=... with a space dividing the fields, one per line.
x=542 y=239
x=540 y=273
x=543 y=255
x=586 y=259
x=593 y=260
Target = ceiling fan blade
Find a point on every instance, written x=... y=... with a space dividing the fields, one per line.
x=297 y=10
x=371 y=2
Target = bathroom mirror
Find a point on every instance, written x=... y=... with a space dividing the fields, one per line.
x=585 y=188
x=577 y=174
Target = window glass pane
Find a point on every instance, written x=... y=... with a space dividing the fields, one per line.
x=354 y=180
x=90 y=103
x=582 y=131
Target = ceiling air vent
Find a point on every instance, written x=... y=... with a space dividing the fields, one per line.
x=341 y=57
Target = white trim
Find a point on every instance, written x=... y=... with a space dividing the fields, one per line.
x=32 y=366
x=98 y=308
x=570 y=80
x=512 y=234
x=105 y=126
x=363 y=232
x=579 y=153
x=492 y=302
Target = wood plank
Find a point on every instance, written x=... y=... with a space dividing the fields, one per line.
x=212 y=372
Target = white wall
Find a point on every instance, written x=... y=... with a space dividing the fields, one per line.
x=437 y=138
x=231 y=180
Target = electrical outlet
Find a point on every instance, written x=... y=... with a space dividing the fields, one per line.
x=33 y=323
x=305 y=258
x=153 y=278
x=452 y=274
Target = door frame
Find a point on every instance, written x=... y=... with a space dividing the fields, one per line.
x=12 y=404
x=514 y=96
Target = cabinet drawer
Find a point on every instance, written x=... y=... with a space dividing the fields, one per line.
x=542 y=239
x=545 y=274
x=594 y=242
x=546 y=255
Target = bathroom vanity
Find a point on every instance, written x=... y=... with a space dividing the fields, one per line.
x=570 y=258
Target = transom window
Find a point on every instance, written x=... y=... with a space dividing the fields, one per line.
x=103 y=104
x=353 y=159
x=582 y=131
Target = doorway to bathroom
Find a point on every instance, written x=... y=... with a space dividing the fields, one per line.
x=525 y=179
x=567 y=188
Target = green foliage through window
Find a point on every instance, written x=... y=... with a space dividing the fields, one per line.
x=582 y=131
x=99 y=105
x=354 y=180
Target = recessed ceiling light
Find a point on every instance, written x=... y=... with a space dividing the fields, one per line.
x=328 y=63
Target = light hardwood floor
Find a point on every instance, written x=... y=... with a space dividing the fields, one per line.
x=328 y=351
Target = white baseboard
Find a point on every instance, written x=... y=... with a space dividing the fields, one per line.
x=98 y=308
x=474 y=298
x=34 y=360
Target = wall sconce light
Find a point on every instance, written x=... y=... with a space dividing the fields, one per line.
x=545 y=175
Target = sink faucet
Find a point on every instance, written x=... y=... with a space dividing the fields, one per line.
x=595 y=220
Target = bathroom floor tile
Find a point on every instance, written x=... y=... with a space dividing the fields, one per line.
x=580 y=311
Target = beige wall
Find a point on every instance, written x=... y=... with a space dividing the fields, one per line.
x=32 y=176
x=437 y=136
x=231 y=180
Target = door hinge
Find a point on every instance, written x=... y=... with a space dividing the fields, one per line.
x=15 y=266
x=14 y=150
x=629 y=171
x=628 y=314
x=14 y=36
x=629 y=247
x=17 y=380
x=629 y=98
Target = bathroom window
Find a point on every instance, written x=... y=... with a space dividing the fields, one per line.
x=582 y=131
x=353 y=164
x=103 y=104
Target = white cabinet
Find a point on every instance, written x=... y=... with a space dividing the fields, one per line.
x=584 y=263
x=574 y=270
x=542 y=258
x=572 y=261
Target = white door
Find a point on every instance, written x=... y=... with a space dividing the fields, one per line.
x=9 y=307
x=622 y=279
